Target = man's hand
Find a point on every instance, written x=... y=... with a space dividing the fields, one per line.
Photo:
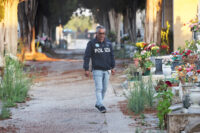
x=113 y=71
x=87 y=73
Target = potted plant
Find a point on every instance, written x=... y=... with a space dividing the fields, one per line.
x=164 y=98
x=147 y=67
x=144 y=62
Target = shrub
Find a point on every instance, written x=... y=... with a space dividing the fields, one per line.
x=164 y=97
x=15 y=83
x=141 y=96
x=5 y=113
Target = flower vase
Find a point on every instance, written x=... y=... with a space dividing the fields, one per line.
x=146 y=72
x=153 y=69
x=195 y=98
x=196 y=35
x=186 y=87
x=185 y=94
x=167 y=70
x=158 y=64
x=153 y=58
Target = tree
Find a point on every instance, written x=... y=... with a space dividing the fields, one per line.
x=153 y=21
x=35 y=16
x=27 y=15
x=110 y=11
x=84 y=22
x=8 y=27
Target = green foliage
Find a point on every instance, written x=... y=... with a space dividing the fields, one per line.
x=136 y=99
x=141 y=96
x=82 y=22
x=112 y=36
x=15 y=83
x=192 y=45
x=132 y=73
x=150 y=92
x=181 y=49
x=121 y=54
x=164 y=102
x=56 y=10
x=5 y=113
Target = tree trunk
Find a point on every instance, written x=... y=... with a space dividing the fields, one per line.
x=27 y=14
x=8 y=29
x=106 y=22
x=153 y=21
x=125 y=22
x=115 y=19
x=131 y=15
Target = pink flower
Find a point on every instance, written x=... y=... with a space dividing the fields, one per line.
x=143 y=52
x=188 y=69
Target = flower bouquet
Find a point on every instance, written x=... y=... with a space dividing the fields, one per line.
x=144 y=61
x=164 y=49
x=153 y=48
x=176 y=56
x=194 y=25
x=189 y=57
x=187 y=73
x=167 y=61
x=141 y=46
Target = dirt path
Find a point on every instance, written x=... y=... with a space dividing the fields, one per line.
x=62 y=102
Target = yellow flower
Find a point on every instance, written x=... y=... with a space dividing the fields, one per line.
x=155 y=48
x=140 y=44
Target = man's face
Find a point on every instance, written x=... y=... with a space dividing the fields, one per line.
x=101 y=35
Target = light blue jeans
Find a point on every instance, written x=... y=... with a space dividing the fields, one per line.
x=101 y=79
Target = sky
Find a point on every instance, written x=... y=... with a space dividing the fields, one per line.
x=85 y=12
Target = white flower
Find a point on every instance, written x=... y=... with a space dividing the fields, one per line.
x=143 y=52
x=190 y=74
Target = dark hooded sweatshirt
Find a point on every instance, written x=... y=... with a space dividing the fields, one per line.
x=101 y=54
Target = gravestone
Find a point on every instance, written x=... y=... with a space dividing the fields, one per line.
x=158 y=63
x=179 y=122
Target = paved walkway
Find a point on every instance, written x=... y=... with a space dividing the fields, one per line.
x=63 y=102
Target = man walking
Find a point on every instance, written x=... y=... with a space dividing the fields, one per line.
x=103 y=63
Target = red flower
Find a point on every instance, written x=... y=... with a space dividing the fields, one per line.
x=198 y=71
x=164 y=46
x=169 y=84
x=180 y=68
x=188 y=53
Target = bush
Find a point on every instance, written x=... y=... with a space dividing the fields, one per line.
x=132 y=73
x=112 y=36
x=15 y=83
x=121 y=54
x=141 y=96
x=5 y=113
